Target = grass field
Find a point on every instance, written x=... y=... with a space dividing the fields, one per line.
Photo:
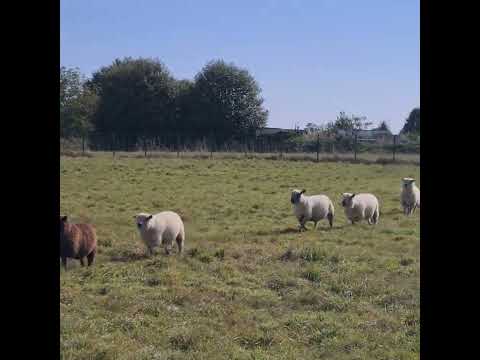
x=249 y=286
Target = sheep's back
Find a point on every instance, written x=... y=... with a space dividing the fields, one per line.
x=362 y=204
x=320 y=205
x=78 y=240
x=165 y=225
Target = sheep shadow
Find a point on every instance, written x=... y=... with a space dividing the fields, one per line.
x=394 y=211
x=285 y=231
x=309 y=229
x=129 y=257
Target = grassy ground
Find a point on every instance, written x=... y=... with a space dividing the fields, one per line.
x=249 y=286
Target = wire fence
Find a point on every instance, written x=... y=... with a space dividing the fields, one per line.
x=314 y=148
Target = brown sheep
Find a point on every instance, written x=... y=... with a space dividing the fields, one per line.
x=77 y=241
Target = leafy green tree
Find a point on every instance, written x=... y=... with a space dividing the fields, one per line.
x=82 y=111
x=412 y=123
x=348 y=123
x=184 y=107
x=71 y=87
x=226 y=102
x=136 y=98
x=383 y=126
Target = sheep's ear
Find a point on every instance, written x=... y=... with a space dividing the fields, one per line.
x=351 y=197
x=148 y=218
x=303 y=191
x=134 y=216
x=64 y=218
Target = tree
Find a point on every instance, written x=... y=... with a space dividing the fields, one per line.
x=226 y=102
x=184 y=106
x=136 y=98
x=348 y=123
x=412 y=123
x=70 y=90
x=82 y=111
x=77 y=104
x=312 y=128
x=383 y=126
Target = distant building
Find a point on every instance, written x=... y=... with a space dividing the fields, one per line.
x=267 y=131
x=373 y=135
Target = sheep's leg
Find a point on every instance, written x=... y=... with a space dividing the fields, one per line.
x=302 y=224
x=82 y=262
x=180 y=243
x=149 y=251
x=167 y=250
x=414 y=208
x=91 y=257
x=315 y=225
x=64 y=263
x=330 y=219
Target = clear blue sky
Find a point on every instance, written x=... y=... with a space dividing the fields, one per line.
x=312 y=58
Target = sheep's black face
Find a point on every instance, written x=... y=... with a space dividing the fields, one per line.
x=347 y=201
x=295 y=198
x=139 y=225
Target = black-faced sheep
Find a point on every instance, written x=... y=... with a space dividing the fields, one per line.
x=161 y=229
x=311 y=208
x=361 y=206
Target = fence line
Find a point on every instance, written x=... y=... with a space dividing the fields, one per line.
x=169 y=143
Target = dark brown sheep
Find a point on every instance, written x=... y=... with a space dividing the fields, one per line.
x=77 y=241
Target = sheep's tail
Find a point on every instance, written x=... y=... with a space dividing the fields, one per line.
x=331 y=213
x=331 y=209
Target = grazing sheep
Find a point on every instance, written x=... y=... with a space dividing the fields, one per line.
x=361 y=206
x=77 y=241
x=410 y=196
x=161 y=229
x=311 y=208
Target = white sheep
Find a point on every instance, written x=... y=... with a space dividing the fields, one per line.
x=361 y=206
x=410 y=196
x=161 y=229
x=311 y=208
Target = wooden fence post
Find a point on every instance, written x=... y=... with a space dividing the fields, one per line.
x=394 y=145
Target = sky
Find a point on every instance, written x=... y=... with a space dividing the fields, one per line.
x=311 y=58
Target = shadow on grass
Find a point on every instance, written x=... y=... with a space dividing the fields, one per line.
x=309 y=229
x=285 y=231
x=128 y=257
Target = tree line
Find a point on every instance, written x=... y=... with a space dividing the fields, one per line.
x=132 y=100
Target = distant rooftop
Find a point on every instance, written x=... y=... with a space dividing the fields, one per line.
x=272 y=131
